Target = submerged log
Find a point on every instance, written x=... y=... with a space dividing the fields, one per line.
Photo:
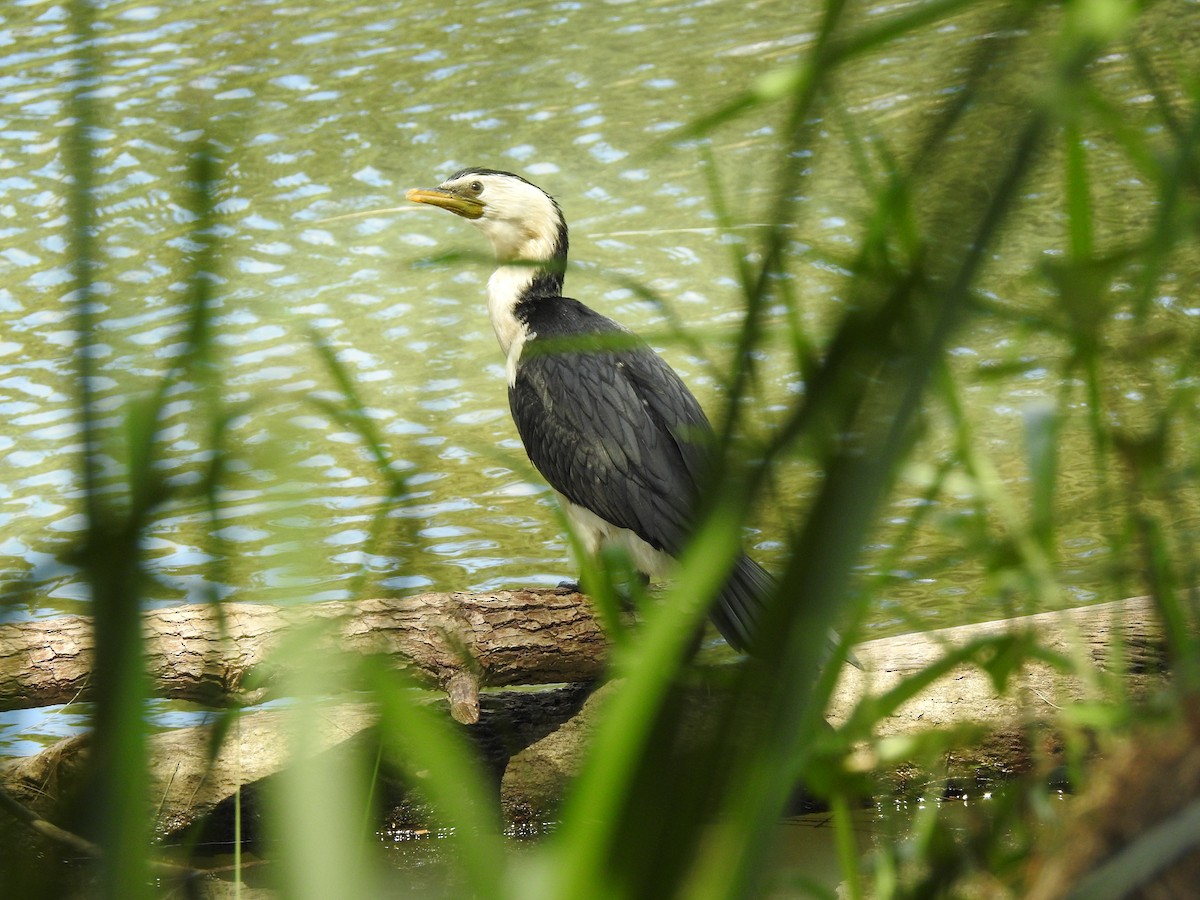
x=189 y=782
x=534 y=741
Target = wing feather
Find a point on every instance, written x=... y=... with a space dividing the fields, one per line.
x=615 y=431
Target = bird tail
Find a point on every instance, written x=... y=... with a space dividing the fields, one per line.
x=741 y=608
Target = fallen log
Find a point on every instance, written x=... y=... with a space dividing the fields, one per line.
x=1118 y=645
x=225 y=654
x=1122 y=638
x=534 y=741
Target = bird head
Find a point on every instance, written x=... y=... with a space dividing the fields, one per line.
x=520 y=219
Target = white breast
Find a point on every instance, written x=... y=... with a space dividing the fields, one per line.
x=514 y=354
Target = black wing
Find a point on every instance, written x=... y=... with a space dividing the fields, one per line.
x=610 y=425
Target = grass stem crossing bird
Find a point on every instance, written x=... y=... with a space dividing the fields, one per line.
x=604 y=419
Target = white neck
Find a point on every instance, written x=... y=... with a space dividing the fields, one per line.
x=505 y=288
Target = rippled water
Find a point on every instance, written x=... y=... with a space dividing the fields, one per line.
x=336 y=108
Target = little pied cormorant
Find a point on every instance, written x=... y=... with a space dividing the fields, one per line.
x=606 y=422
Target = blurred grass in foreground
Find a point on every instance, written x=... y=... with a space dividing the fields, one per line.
x=645 y=819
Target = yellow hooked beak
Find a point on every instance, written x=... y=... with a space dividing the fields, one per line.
x=467 y=207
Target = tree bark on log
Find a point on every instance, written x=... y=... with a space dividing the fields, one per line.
x=225 y=654
x=534 y=740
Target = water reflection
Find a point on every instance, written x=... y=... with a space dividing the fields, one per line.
x=337 y=111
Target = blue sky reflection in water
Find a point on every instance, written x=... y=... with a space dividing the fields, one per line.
x=338 y=108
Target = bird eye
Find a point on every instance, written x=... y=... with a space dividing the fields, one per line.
x=476 y=187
